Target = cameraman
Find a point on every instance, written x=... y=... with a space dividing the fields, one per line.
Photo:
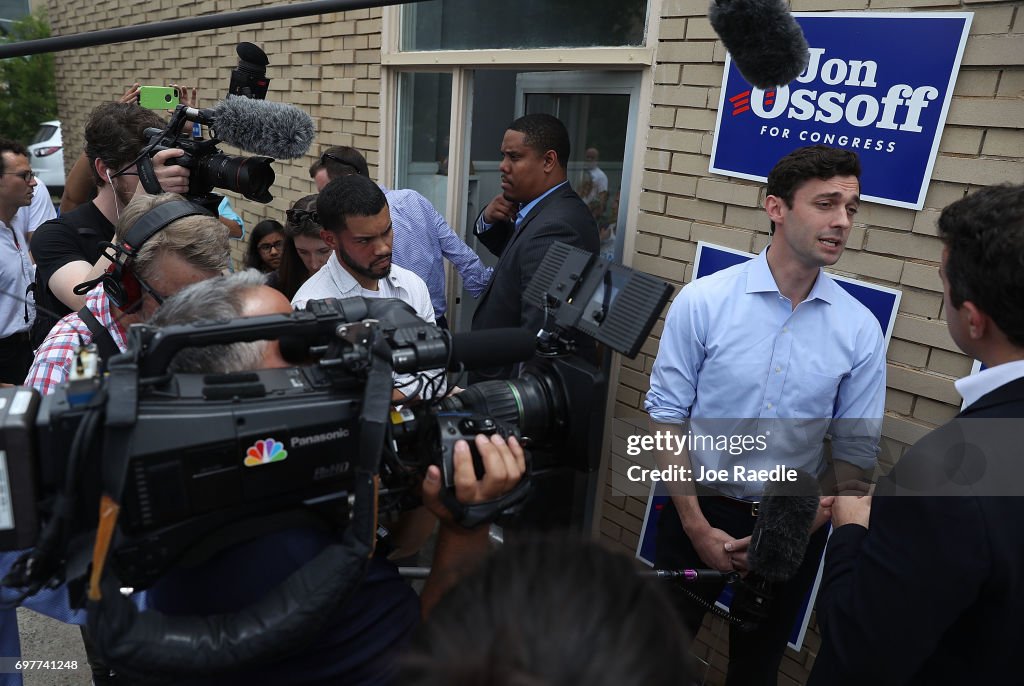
x=187 y=250
x=68 y=249
x=363 y=637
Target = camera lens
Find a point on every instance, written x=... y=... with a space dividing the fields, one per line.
x=250 y=176
x=529 y=402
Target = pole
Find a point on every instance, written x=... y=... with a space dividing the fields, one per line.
x=188 y=25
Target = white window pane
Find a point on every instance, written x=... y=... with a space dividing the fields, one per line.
x=489 y=24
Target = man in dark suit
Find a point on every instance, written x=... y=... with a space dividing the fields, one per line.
x=535 y=208
x=924 y=582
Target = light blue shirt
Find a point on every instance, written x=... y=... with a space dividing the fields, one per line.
x=228 y=212
x=737 y=358
x=422 y=238
x=524 y=210
x=17 y=273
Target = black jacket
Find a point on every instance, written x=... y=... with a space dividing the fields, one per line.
x=933 y=592
x=561 y=216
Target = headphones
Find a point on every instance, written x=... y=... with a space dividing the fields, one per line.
x=119 y=281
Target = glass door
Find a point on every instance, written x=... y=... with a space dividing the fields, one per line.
x=598 y=108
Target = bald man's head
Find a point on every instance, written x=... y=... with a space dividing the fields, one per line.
x=232 y=296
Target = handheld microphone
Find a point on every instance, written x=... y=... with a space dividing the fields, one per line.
x=272 y=129
x=764 y=40
x=783 y=529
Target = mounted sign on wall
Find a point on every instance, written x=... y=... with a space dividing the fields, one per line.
x=876 y=83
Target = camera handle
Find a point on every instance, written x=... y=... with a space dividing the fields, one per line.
x=147 y=176
x=453 y=426
x=473 y=515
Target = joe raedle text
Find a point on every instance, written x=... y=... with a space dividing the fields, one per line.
x=701 y=474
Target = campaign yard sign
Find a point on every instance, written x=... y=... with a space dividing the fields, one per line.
x=876 y=83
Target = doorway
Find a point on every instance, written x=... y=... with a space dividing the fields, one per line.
x=598 y=108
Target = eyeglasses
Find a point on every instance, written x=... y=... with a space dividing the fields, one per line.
x=337 y=160
x=149 y=289
x=297 y=216
x=270 y=247
x=26 y=176
x=125 y=172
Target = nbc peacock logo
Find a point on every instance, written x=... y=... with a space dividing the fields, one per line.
x=264 y=452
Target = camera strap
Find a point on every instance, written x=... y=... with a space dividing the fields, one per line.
x=105 y=344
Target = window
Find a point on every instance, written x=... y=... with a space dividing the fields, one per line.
x=488 y=24
x=424 y=124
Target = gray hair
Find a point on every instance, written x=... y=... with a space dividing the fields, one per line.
x=200 y=240
x=218 y=299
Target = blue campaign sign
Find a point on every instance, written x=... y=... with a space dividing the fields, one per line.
x=876 y=83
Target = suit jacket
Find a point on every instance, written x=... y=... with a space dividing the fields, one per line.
x=561 y=216
x=933 y=592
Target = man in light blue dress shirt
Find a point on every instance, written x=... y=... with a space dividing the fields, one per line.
x=422 y=238
x=771 y=349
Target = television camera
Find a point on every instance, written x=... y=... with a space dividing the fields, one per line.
x=117 y=478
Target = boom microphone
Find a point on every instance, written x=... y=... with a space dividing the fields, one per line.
x=783 y=530
x=273 y=129
x=764 y=40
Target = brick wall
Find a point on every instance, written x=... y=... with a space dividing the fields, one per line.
x=329 y=65
x=681 y=203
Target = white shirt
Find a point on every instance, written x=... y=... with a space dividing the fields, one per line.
x=598 y=184
x=333 y=281
x=973 y=387
x=16 y=274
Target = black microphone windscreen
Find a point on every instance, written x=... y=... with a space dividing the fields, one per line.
x=273 y=129
x=764 y=40
x=251 y=53
x=783 y=529
x=492 y=348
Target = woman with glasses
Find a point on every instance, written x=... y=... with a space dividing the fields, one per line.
x=266 y=245
x=303 y=252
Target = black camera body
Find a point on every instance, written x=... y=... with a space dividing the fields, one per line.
x=210 y=168
x=208 y=460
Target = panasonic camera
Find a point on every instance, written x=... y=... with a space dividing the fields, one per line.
x=116 y=478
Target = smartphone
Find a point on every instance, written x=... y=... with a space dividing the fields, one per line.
x=158 y=97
